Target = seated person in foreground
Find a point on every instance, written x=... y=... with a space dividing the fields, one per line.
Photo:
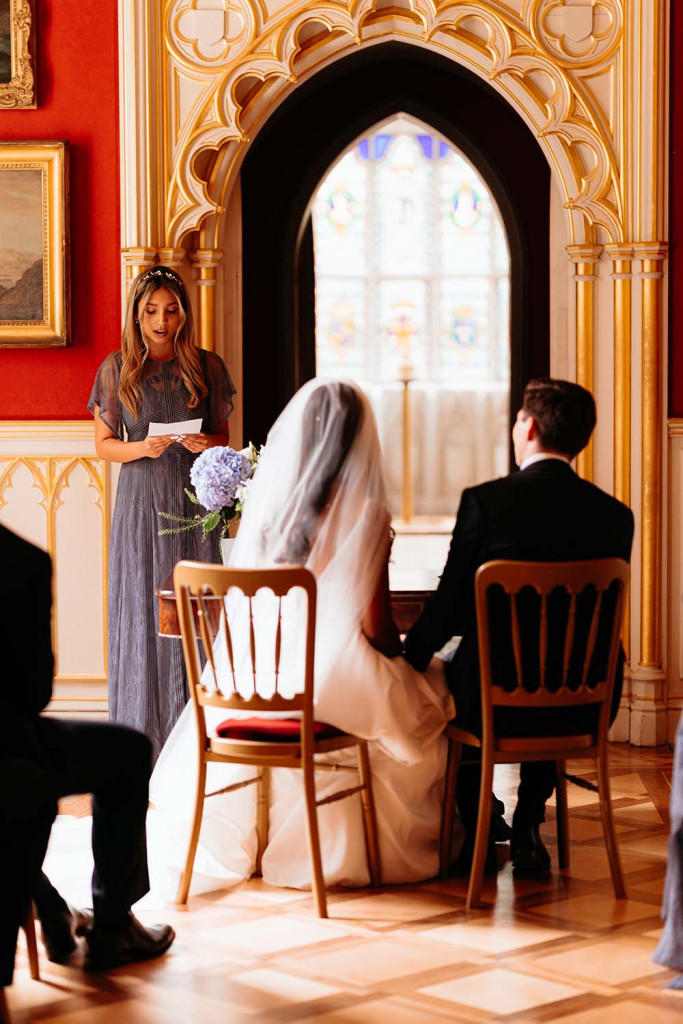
x=318 y=500
x=542 y=512
x=43 y=759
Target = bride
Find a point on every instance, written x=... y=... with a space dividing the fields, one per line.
x=318 y=499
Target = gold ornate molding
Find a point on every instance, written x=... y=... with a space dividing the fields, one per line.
x=652 y=256
x=622 y=276
x=584 y=258
x=171 y=257
x=578 y=35
x=206 y=262
x=20 y=90
x=137 y=259
x=234 y=82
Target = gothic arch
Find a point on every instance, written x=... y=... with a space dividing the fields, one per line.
x=529 y=61
x=201 y=78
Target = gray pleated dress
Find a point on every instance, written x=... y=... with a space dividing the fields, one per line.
x=147 y=682
x=670 y=949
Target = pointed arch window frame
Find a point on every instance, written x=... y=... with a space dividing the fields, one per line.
x=365 y=148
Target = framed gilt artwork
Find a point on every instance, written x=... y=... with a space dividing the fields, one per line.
x=34 y=251
x=17 y=65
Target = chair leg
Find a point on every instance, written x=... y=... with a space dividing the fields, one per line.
x=608 y=827
x=481 y=840
x=317 y=877
x=184 y=887
x=448 y=808
x=369 y=815
x=262 y=815
x=562 y=816
x=31 y=944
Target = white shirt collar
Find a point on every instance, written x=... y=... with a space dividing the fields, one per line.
x=540 y=456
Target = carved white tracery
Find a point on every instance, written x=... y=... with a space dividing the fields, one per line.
x=589 y=77
x=229 y=64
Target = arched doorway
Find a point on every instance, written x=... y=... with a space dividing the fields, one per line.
x=290 y=156
x=412 y=276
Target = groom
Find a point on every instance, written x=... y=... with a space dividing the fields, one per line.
x=43 y=759
x=542 y=512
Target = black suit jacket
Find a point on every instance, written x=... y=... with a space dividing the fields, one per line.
x=544 y=513
x=25 y=642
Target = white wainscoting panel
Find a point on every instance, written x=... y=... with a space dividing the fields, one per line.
x=57 y=493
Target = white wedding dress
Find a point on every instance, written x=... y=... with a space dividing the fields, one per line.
x=401 y=712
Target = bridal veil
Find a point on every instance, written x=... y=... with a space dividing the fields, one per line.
x=318 y=499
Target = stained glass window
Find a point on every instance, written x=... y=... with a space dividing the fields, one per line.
x=411 y=264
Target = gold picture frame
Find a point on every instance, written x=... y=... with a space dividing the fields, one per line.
x=34 y=251
x=17 y=65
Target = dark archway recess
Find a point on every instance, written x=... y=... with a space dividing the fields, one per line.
x=293 y=152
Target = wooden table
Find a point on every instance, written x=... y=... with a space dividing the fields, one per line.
x=410 y=589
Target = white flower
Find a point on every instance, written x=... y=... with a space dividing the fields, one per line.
x=250 y=452
x=241 y=493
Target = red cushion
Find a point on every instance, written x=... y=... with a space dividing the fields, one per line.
x=278 y=730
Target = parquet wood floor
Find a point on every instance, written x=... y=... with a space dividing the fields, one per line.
x=555 y=950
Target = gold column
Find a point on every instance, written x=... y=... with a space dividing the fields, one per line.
x=135 y=260
x=584 y=258
x=621 y=256
x=407 y=502
x=206 y=262
x=173 y=258
x=652 y=256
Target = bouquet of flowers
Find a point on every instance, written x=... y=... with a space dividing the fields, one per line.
x=220 y=477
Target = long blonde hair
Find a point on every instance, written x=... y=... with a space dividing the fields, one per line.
x=133 y=346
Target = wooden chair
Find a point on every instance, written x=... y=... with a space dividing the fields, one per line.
x=571 y=652
x=263 y=744
x=29 y=927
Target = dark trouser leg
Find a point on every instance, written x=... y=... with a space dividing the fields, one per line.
x=536 y=784
x=27 y=810
x=467 y=792
x=114 y=764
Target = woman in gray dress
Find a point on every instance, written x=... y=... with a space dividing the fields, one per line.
x=158 y=376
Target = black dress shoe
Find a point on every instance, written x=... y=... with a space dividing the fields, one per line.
x=527 y=852
x=107 y=948
x=59 y=931
x=462 y=865
x=497 y=805
x=500 y=830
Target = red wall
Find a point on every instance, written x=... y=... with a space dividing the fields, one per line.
x=77 y=73
x=676 y=221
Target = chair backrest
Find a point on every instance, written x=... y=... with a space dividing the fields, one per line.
x=238 y=614
x=548 y=635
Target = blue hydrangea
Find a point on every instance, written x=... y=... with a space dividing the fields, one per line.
x=217 y=474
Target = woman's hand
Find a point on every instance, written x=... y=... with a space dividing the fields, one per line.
x=196 y=442
x=153 y=447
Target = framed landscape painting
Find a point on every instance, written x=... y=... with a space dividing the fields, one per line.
x=17 y=66
x=34 y=251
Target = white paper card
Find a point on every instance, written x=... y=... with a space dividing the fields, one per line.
x=181 y=427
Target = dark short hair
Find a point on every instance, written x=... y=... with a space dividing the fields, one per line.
x=564 y=414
